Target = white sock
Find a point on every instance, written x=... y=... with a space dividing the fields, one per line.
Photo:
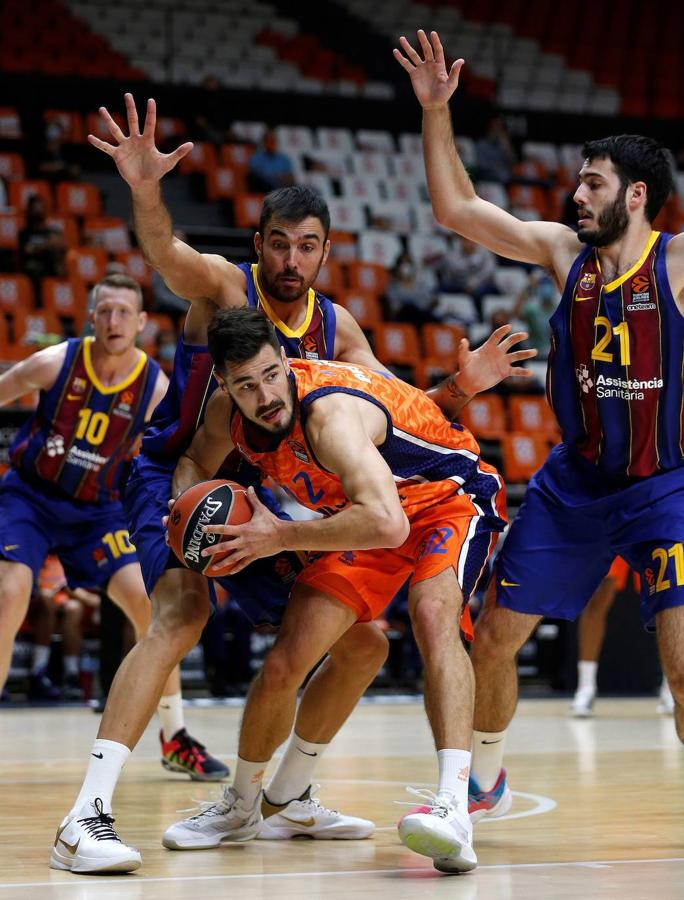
x=107 y=759
x=71 y=665
x=586 y=676
x=39 y=658
x=170 y=711
x=488 y=751
x=454 y=771
x=248 y=778
x=293 y=775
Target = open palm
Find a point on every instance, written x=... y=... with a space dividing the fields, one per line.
x=136 y=155
x=432 y=84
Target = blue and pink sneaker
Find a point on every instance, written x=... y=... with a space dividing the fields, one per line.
x=493 y=803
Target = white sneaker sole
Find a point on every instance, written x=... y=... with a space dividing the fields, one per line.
x=448 y=854
x=332 y=833
x=239 y=835
x=127 y=862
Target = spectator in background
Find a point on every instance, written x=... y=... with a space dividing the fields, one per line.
x=534 y=305
x=211 y=122
x=42 y=250
x=410 y=294
x=54 y=165
x=494 y=153
x=269 y=168
x=469 y=268
x=165 y=343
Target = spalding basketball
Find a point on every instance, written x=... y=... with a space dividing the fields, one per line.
x=208 y=503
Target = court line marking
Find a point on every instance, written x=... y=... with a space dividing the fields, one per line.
x=406 y=870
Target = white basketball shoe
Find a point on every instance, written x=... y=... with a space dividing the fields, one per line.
x=306 y=816
x=87 y=842
x=226 y=820
x=444 y=833
x=582 y=706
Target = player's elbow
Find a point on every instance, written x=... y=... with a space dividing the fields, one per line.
x=392 y=528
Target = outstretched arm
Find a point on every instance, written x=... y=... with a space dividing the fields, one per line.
x=37 y=372
x=477 y=370
x=193 y=275
x=454 y=201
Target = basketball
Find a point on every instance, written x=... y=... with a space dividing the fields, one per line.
x=215 y=502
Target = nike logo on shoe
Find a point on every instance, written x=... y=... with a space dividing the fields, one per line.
x=72 y=848
x=98 y=755
x=305 y=823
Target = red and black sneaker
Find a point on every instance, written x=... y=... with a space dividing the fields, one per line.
x=185 y=754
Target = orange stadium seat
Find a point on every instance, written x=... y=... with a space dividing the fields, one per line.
x=87 y=264
x=202 y=158
x=247 y=210
x=16 y=292
x=430 y=371
x=156 y=322
x=366 y=276
x=10 y=124
x=485 y=416
x=330 y=279
x=78 y=199
x=236 y=156
x=522 y=455
x=442 y=341
x=66 y=300
x=363 y=306
x=533 y=415
x=19 y=192
x=224 y=182
x=396 y=343
x=136 y=266
x=68 y=226
x=70 y=122
x=12 y=166
x=342 y=246
x=11 y=224
x=169 y=127
x=526 y=196
x=109 y=232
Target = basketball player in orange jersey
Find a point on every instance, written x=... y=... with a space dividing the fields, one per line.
x=376 y=458
x=615 y=485
x=291 y=246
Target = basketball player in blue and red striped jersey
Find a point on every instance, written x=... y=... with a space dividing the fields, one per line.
x=291 y=246
x=615 y=485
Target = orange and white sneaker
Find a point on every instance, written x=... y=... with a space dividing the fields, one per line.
x=307 y=817
x=183 y=753
x=443 y=832
x=87 y=843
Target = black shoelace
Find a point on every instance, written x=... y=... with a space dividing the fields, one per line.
x=100 y=826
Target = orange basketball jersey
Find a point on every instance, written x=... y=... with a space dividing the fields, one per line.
x=431 y=459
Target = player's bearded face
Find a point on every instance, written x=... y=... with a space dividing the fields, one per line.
x=265 y=395
x=290 y=258
x=609 y=225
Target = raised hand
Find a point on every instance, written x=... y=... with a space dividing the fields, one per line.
x=432 y=84
x=136 y=156
x=481 y=369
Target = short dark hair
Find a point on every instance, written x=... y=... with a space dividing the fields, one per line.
x=637 y=158
x=118 y=280
x=237 y=335
x=293 y=204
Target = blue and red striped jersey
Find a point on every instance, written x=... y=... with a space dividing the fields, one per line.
x=83 y=431
x=181 y=412
x=617 y=365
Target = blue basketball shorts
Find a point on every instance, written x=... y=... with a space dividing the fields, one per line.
x=261 y=590
x=571 y=526
x=91 y=540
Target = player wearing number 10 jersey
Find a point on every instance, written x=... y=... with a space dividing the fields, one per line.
x=61 y=494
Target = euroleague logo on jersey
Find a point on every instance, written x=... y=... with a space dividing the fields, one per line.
x=641 y=294
x=310 y=347
x=299 y=450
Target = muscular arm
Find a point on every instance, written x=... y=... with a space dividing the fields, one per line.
x=342 y=431
x=454 y=201
x=210 y=446
x=36 y=373
x=195 y=276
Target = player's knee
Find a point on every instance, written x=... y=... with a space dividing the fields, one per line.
x=179 y=621
x=435 y=619
x=14 y=602
x=363 y=647
x=280 y=672
x=496 y=638
x=676 y=682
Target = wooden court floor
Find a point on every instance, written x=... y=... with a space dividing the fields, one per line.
x=598 y=811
